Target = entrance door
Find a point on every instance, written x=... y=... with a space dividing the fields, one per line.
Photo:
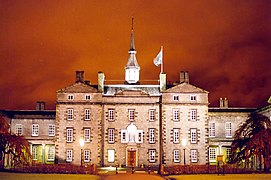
x=131 y=158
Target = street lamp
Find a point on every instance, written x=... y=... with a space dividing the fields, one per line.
x=184 y=144
x=81 y=142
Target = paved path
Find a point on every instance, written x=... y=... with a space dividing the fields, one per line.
x=129 y=176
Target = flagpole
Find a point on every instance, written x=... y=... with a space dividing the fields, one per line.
x=162 y=60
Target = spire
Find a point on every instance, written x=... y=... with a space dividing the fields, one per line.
x=132 y=43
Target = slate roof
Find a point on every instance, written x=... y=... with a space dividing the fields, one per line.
x=185 y=88
x=78 y=88
x=152 y=90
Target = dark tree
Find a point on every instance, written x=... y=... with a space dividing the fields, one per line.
x=253 y=138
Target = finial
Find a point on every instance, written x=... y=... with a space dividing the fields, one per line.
x=132 y=23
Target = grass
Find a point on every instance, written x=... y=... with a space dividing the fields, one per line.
x=223 y=177
x=27 y=176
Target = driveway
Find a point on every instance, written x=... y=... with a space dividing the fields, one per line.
x=129 y=176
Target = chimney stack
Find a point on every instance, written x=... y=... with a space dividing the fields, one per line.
x=163 y=81
x=40 y=106
x=79 y=76
x=101 y=79
x=184 y=77
x=223 y=103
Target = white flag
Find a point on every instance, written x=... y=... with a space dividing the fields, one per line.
x=159 y=58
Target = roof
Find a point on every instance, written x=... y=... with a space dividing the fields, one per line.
x=185 y=88
x=45 y=114
x=217 y=109
x=78 y=88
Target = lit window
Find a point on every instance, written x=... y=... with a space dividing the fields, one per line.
x=152 y=115
x=87 y=135
x=70 y=114
x=151 y=136
x=193 y=114
x=211 y=129
x=151 y=155
x=124 y=136
x=69 y=155
x=87 y=114
x=131 y=114
x=86 y=155
x=194 y=155
x=70 y=97
x=87 y=97
x=176 y=135
x=228 y=129
x=51 y=130
x=18 y=129
x=228 y=153
x=35 y=152
x=175 y=98
x=193 y=134
x=51 y=153
x=139 y=137
x=193 y=98
x=212 y=154
x=176 y=115
x=111 y=114
x=111 y=155
x=110 y=135
x=35 y=130
x=69 y=135
x=176 y=155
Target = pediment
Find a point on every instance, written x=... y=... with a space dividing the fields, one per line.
x=185 y=88
x=78 y=88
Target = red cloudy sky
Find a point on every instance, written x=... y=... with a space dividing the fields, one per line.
x=224 y=44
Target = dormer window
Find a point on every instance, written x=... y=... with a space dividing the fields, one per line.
x=193 y=98
x=70 y=97
x=87 y=97
x=175 y=98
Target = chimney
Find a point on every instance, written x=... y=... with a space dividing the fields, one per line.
x=87 y=82
x=40 y=106
x=79 y=76
x=184 y=77
x=223 y=103
x=101 y=79
x=163 y=81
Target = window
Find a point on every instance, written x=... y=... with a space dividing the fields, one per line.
x=193 y=134
x=51 y=130
x=211 y=129
x=111 y=114
x=18 y=129
x=87 y=114
x=212 y=154
x=151 y=136
x=123 y=136
x=228 y=153
x=110 y=135
x=35 y=130
x=69 y=135
x=69 y=155
x=176 y=155
x=194 y=155
x=193 y=98
x=111 y=155
x=193 y=114
x=152 y=115
x=176 y=136
x=175 y=98
x=86 y=155
x=176 y=115
x=70 y=97
x=139 y=136
x=228 y=129
x=131 y=114
x=51 y=153
x=87 y=135
x=87 y=97
x=70 y=114
x=151 y=155
x=35 y=152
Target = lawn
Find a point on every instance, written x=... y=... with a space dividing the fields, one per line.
x=223 y=177
x=26 y=176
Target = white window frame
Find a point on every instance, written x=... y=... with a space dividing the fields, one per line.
x=87 y=114
x=69 y=114
x=193 y=114
x=176 y=135
x=152 y=115
x=70 y=97
x=194 y=155
x=212 y=154
x=19 y=129
x=51 y=153
x=69 y=135
x=228 y=153
x=176 y=155
x=111 y=155
x=212 y=129
x=151 y=135
x=123 y=138
x=69 y=155
x=34 y=152
x=175 y=98
x=87 y=134
x=228 y=129
x=86 y=155
x=51 y=130
x=193 y=98
x=139 y=136
x=151 y=155
x=176 y=114
x=35 y=130
x=87 y=97
x=111 y=135
x=131 y=114
x=193 y=135
x=111 y=115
